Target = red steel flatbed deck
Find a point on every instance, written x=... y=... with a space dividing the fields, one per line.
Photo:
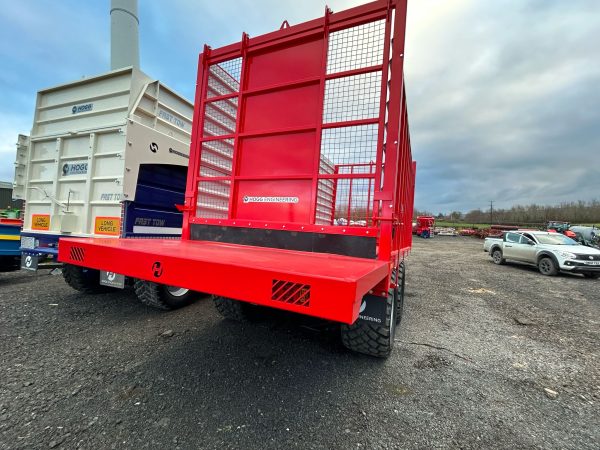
x=318 y=284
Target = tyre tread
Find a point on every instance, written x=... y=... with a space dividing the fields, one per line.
x=231 y=309
x=75 y=277
x=368 y=338
x=149 y=294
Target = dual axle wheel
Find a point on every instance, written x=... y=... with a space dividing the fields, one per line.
x=378 y=339
x=155 y=295
x=362 y=337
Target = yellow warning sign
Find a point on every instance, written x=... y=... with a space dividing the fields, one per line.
x=40 y=221
x=108 y=225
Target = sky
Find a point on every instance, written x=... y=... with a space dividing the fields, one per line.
x=503 y=95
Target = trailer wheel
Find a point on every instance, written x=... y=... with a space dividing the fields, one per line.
x=161 y=296
x=372 y=339
x=9 y=263
x=231 y=309
x=497 y=257
x=400 y=282
x=82 y=279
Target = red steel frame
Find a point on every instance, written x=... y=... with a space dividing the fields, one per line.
x=395 y=197
x=389 y=204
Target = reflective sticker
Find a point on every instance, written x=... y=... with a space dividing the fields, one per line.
x=9 y=237
x=28 y=242
x=108 y=225
x=40 y=221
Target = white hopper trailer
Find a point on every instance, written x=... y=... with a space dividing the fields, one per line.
x=107 y=157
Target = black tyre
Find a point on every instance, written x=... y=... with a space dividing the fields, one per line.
x=592 y=275
x=9 y=263
x=372 y=339
x=400 y=282
x=547 y=266
x=232 y=309
x=497 y=256
x=160 y=296
x=86 y=281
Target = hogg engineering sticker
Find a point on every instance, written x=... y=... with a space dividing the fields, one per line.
x=112 y=279
x=108 y=225
x=250 y=199
x=40 y=221
x=175 y=152
x=373 y=309
x=74 y=169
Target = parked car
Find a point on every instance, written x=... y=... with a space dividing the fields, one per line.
x=589 y=236
x=550 y=252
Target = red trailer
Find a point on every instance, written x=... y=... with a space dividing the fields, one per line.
x=300 y=185
x=425 y=226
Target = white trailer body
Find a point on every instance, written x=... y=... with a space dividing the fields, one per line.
x=107 y=156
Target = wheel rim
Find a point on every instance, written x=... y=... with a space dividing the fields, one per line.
x=497 y=257
x=544 y=266
x=177 y=291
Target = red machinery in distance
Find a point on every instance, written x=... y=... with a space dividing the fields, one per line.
x=301 y=180
x=560 y=227
x=425 y=225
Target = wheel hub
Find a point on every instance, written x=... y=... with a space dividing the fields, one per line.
x=177 y=291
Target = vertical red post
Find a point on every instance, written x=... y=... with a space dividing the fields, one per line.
x=393 y=144
x=238 y=125
x=318 y=131
x=382 y=112
x=191 y=190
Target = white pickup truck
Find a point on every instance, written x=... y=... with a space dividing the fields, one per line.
x=550 y=252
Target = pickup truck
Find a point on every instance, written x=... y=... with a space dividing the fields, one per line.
x=550 y=252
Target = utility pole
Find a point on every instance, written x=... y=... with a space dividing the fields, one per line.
x=491 y=212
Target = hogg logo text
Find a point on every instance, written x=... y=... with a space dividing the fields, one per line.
x=74 y=169
x=82 y=108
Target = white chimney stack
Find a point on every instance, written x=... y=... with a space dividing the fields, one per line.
x=124 y=43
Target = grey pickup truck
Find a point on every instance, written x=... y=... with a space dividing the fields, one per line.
x=550 y=252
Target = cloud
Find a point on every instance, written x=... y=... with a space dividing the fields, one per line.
x=503 y=96
x=501 y=101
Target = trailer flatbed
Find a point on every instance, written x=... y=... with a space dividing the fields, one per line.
x=282 y=278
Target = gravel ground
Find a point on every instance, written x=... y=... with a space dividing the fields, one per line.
x=478 y=346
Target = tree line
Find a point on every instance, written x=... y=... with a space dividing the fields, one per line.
x=574 y=212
